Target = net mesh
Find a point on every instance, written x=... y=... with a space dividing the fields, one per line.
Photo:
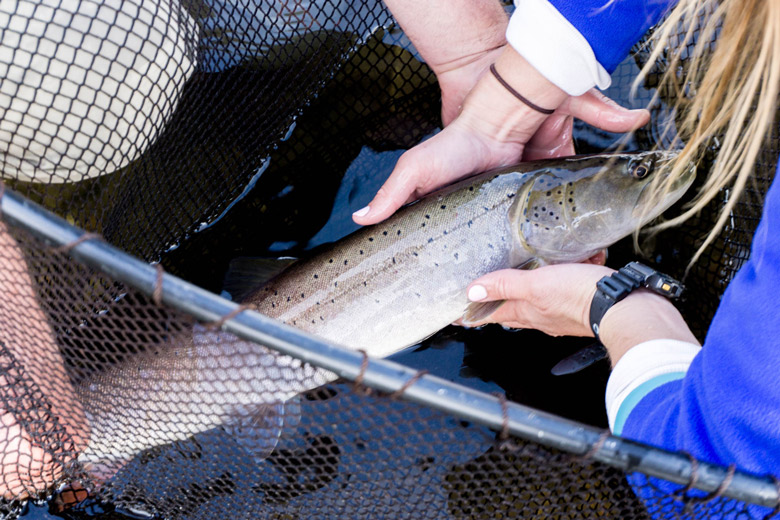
x=192 y=133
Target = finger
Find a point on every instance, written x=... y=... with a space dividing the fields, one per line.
x=506 y=284
x=397 y=190
x=598 y=110
x=599 y=258
x=553 y=139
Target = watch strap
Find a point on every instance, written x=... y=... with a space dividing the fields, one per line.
x=611 y=289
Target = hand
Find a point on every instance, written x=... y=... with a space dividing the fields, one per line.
x=26 y=466
x=556 y=300
x=495 y=129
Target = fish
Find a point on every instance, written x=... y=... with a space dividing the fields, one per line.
x=381 y=289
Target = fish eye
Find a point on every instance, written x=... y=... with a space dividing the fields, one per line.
x=640 y=172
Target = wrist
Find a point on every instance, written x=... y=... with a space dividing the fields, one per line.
x=495 y=111
x=641 y=316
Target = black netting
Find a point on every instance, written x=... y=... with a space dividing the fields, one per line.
x=196 y=133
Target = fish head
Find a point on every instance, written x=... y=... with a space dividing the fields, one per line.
x=580 y=205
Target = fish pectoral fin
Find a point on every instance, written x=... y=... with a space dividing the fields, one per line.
x=258 y=428
x=478 y=311
x=245 y=274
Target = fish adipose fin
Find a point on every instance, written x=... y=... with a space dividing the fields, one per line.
x=245 y=274
x=478 y=311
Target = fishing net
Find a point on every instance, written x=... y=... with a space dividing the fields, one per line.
x=190 y=133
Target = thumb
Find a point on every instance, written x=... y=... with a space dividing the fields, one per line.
x=506 y=284
x=598 y=110
x=397 y=190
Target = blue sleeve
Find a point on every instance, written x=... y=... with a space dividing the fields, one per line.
x=727 y=407
x=612 y=27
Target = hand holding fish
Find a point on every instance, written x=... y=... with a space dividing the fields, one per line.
x=494 y=129
x=556 y=300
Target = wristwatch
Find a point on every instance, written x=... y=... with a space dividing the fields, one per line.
x=612 y=289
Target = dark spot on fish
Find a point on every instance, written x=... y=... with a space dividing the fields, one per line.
x=559 y=192
x=295 y=322
x=393 y=259
x=345 y=262
x=273 y=305
x=443 y=206
x=322 y=319
x=370 y=239
x=399 y=232
x=560 y=203
x=551 y=213
x=549 y=193
x=318 y=303
x=536 y=215
x=536 y=225
x=316 y=276
x=384 y=233
x=485 y=208
x=436 y=264
x=456 y=256
x=414 y=253
x=571 y=200
x=418 y=295
x=276 y=293
x=544 y=209
x=330 y=261
x=570 y=184
x=574 y=208
x=510 y=195
x=490 y=246
x=302 y=295
x=314 y=321
x=546 y=228
x=427 y=216
x=471 y=188
x=556 y=218
x=423 y=224
x=528 y=220
x=377 y=301
x=470 y=222
x=288 y=298
x=364 y=284
x=430 y=240
x=361 y=251
x=445 y=231
x=333 y=301
x=335 y=284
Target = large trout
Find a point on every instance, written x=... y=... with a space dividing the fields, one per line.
x=381 y=289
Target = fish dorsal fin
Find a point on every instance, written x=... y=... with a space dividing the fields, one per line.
x=478 y=311
x=245 y=274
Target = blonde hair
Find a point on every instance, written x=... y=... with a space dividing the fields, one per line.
x=731 y=92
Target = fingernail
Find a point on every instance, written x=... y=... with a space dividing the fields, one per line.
x=362 y=212
x=477 y=293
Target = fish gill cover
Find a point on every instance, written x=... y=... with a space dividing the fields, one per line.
x=253 y=130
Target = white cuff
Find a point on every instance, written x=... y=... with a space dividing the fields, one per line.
x=541 y=35
x=642 y=369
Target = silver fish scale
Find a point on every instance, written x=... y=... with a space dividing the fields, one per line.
x=369 y=291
